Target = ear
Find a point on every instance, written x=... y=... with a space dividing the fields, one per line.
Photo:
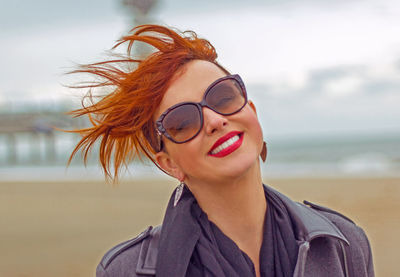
x=164 y=160
x=252 y=106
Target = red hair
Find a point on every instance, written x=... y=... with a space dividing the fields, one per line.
x=123 y=119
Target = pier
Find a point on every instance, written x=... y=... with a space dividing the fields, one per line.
x=39 y=127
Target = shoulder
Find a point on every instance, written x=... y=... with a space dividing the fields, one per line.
x=347 y=226
x=359 y=245
x=131 y=257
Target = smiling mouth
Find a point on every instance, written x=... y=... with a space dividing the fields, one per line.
x=225 y=145
x=233 y=142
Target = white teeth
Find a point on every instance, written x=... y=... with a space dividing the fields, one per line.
x=226 y=144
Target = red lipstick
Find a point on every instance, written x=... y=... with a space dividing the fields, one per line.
x=229 y=149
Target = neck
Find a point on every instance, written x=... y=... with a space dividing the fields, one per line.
x=237 y=207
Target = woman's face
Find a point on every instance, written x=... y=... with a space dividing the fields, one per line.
x=197 y=160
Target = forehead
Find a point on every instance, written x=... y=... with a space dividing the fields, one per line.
x=190 y=83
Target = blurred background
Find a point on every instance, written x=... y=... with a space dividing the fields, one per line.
x=324 y=75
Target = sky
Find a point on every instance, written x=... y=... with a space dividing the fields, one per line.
x=311 y=66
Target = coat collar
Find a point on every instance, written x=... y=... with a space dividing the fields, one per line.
x=308 y=223
x=180 y=232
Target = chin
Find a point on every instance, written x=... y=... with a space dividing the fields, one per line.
x=239 y=167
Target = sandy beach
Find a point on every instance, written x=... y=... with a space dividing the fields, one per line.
x=62 y=228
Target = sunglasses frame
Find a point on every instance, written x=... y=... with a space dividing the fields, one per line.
x=159 y=123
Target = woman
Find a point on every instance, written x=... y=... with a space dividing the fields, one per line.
x=192 y=118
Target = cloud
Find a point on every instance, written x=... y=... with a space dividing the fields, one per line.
x=333 y=99
x=339 y=80
x=381 y=87
x=31 y=16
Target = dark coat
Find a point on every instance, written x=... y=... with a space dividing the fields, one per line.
x=330 y=244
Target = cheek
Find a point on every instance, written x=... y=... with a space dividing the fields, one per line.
x=186 y=155
x=253 y=123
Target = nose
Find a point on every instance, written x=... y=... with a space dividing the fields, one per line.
x=213 y=121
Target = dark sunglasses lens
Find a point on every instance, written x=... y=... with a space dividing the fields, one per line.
x=183 y=122
x=226 y=97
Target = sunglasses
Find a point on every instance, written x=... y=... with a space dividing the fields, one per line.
x=184 y=121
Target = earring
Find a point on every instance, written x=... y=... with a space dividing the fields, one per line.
x=178 y=193
x=263 y=153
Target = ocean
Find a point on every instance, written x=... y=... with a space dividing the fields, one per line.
x=372 y=155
